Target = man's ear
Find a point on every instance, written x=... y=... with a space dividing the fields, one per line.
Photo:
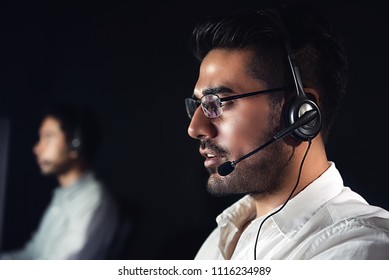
x=313 y=95
x=74 y=155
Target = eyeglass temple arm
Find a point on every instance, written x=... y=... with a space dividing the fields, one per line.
x=252 y=93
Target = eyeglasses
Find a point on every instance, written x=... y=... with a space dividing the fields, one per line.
x=212 y=104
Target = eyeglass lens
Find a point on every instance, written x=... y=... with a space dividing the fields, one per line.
x=210 y=104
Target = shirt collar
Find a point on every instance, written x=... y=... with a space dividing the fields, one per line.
x=73 y=188
x=303 y=206
x=231 y=222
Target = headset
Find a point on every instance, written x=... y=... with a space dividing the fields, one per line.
x=76 y=142
x=301 y=103
x=299 y=106
x=303 y=116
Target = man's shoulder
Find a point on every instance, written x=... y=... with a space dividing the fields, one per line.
x=352 y=205
x=361 y=233
x=353 y=218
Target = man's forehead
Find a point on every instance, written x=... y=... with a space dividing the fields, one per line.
x=50 y=123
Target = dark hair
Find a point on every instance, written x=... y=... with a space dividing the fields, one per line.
x=318 y=50
x=78 y=121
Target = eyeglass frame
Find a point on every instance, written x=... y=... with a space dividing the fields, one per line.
x=228 y=98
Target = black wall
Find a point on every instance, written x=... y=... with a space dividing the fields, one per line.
x=132 y=63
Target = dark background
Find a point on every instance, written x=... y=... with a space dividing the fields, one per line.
x=132 y=63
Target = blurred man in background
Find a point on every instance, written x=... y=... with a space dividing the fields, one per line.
x=81 y=219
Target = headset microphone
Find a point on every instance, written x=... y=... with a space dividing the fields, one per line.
x=229 y=166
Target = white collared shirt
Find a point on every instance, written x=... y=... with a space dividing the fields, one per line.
x=324 y=221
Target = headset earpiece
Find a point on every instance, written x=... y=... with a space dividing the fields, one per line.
x=297 y=108
x=75 y=145
x=76 y=142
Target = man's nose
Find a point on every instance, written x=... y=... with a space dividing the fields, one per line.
x=201 y=126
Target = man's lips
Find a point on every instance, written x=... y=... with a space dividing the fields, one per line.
x=212 y=159
x=42 y=162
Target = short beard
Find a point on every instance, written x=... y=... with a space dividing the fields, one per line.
x=59 y=168
x=257 y=176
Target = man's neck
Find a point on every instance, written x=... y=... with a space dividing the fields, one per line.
x=315 y=164
x=70 y=177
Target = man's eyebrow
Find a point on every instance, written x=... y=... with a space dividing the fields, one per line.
x=215 y=90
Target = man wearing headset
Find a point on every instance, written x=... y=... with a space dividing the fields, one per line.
x=82 y=216
x=269 y=86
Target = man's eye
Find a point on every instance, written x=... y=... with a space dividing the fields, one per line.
x=227 y=103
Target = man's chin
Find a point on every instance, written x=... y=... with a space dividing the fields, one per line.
x=47 y=172
x=215 y=185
